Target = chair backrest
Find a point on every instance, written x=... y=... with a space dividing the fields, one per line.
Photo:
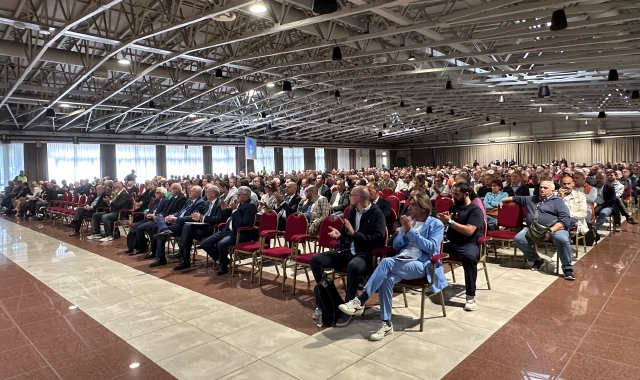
x=82 y=200
x=66 y=197
x=151 y=205
x=133 y=195
x=386 y=193
x=296 y=225
x=346 y=211
x=401 y=194
x=334 y=189
x=391 y=219
x=443 y=204
x=75 y=198
x=141 y=187
x=395 y=203
x=510 y=215
x=268 y=221
x=89 y=200
x=324 y=240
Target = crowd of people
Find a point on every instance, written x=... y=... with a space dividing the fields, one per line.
x=561 y=200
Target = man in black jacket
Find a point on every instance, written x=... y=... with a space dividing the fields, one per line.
x=212 y=215
x=323 y=189
x=383 y=204
x=136 y=239
x=339 y=198
x=87 y=211
x=287 y=204
x=364 y=229
x=516 y=187
x=119 y=200
x=243 y=215
x=176 y=203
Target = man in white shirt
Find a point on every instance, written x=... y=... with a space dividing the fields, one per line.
x=590 y=192
x=439 y=187
x=575 y=201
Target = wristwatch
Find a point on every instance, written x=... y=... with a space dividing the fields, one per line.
x=450 y=222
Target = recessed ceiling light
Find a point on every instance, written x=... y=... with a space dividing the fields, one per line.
x=411 y=58
x=124 y=61
x=271 y=84
x=45 y=31
x=65 y=105
x=258 y=8
x=192 y=115
x=418 y=109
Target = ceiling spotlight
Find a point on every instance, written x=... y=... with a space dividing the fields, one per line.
x=329 y=120
x=635 y=94
x=448 y=86
x=271 y=84
x=337 y=54
x=502 y=122
x=402 y=103
x=262 y=114
x=124 y=61
x=418 y=109
x=429 y=110
x=501 y=98
x=218 y=73
x=258 y=7
x=211 y=131
x=65 y=105
x=514 y=123
x=152 y=104
x=19 y=25
x=487 y=118
x=286 y=86
x=337 y=94
x=601 y=115
x=384 y=125
x=543 y=91
x=108 y=126
x=379 y=134
x=558 y=20
x=613 y=75
x=192 y=115
x=452 y=113
x=566 y=117
x=50 y=113
x=411 y=58
x=540 y=109
x=45 y=31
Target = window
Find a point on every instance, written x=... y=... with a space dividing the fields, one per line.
x=73 y=162
x=293 y=159
x=181 y=161
x=381 y=158
x=343 y=159
x=11 y=162
x=320 y=159
x=141 y=158
x=265 y=157
x=224 y=159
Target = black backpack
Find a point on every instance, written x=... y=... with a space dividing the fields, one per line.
x=328 y=299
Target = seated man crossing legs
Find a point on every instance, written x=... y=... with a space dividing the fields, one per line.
x=136 y=239
x=87 y=211
x=119 y=200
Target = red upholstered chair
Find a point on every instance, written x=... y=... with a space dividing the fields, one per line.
x=454 y=259
x=401 y=194
x=391 y=219
x=71 y=210
x=296 y=225
x=346 y=212
x=268 y=224
x=124 y=217
x=386 y=193
x=510 y=218
x=141 y=186
x=395 y=203
x=323 y=243
x=443 y=204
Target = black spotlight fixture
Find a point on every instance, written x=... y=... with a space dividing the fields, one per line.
x=286 y=86
x=429 y=110
x=456 y=132
x=108 y=126
x=337 y=94
x=323 y=7
x=601 y=115
x=50 y=113
x=502 y=122
x=152 y=104
x=613 y=75
x=218 y=73
x=402 y=103
x=543 y=91
x=514 y=123
x=379 y=134
x=337 y=54
x=329 y=120
x=211 y=131
x=452 y=113
x=558 y=20
x=487 y=119
x=449 y=85
x=635 y=94
x=290 y=145
x=262 y=114
x=384 y=125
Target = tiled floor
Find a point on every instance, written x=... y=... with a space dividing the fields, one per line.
x=196 y=325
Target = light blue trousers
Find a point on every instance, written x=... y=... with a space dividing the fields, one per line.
x=388 y=273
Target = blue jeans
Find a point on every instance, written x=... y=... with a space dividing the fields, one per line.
x=560 y=240
x=491 y=222
x=388 y=273
x=603 y=215
x=217 y=246
x=107 y=219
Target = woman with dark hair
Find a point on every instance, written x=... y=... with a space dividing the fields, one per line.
x=491 y=203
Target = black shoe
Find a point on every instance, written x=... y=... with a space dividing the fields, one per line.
x=222 y=271
x=150 y=255
x=129 y=251
x=537 y=264
x=159 y=261
x=163 y=234
x=182 y=265
x=343 y=320
x=174 y=256
x=568 y=275
x=136 y=252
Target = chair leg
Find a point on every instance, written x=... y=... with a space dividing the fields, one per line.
x=422 y=300
x=284 y=273
x=404 y=295
x=486 y=274
x=306 y=273
x=453 y=273
x=253 y=265
x=295 y=275
x=260 y=270
x=232 y=262
x=444 y=310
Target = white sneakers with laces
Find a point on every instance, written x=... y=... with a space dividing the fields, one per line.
x=470 y=305
x=94 y=237
x=352 y=307
x=382 y=332
x=106 y=239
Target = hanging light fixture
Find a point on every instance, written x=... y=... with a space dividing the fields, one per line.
x=452 y=113
x=448 y=86
x=543 y=91
x=323 y=7
x=218 y=73
x=258 y=7
x=540 y=109
x=124 y=61
x=329 y=121
x=487 y=118
x=635 y=94
x=50 y=113
x=502 y=122
x=411 y=58
x=152 y=104
x=401 y=102
x=337 y=54
x=514 y=123
x=601 y=115
x=384 y=125
x=379 y=134
x=566 y=117
x=429 y=109
x=613 y=75
x=558 y=20
x=286 y=86
x=501 y=98
x=337 y=93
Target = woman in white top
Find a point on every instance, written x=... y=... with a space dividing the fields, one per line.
x=268 y=201
x=36 y=191
x=417 y=241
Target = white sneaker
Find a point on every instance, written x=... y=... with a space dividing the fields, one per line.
x=352 y=307
x=290 y=263
x=106 y=239
x=470 y=305
x=94 y=236
x=384 y=331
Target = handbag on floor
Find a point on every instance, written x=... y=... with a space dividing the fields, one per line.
x=328 y=299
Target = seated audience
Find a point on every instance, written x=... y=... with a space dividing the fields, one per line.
x=287 y=204
x=339 y=198
x=576 y=203
x=119 y=200
x=314 y=207
x=516 y=186
x=492 y=201
x=590 y=192
x=87 y=211
x=383 y=204
x=386 y=182
x=138 y=243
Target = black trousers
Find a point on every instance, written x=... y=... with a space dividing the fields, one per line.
x=81 y=214
x=357 y=265
x=189 y=233
x=469 y=255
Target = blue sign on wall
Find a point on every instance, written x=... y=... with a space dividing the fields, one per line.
x=250 y=148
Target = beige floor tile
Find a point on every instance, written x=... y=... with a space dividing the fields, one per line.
x=170 y=341
x=225 y=321
x=209 y=361
x=416 y=357
x=369 y=369
x=118 y=310
x=453 y=334
x=526 y=275
x=263 y=338
x=69 y=280
x=258 y=370
x=485 y=317
x=151 y=285
x=511 y=286
x=355 y=337
x=128 y=279
x=312 y=358
x=107 y=296
x=503 y=301
x=194 y=307
x=168 y=296
x=141 y=323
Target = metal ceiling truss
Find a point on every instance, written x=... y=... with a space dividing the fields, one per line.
x=201 y=67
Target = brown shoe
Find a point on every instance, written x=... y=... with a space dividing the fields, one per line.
x=630 y=220
x=69 y=225
x=74 y=233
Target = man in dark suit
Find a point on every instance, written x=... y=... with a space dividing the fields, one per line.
x=339 y=198
x=83 y=189
x=87 y=211
x=243 y=215
x=516 y=187
x=323 y=189
x=171 y=225
x=383 y=204
x=287 y=204
x=136 y=240
x=119 y=200
x=175 y=204
x=213 y=215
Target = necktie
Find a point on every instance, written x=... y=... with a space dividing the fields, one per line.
x=210 y=208
x=186 y=207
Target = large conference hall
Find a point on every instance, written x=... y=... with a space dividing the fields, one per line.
x=319 y=189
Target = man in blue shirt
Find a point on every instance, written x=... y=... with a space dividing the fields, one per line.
x=550 y=208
